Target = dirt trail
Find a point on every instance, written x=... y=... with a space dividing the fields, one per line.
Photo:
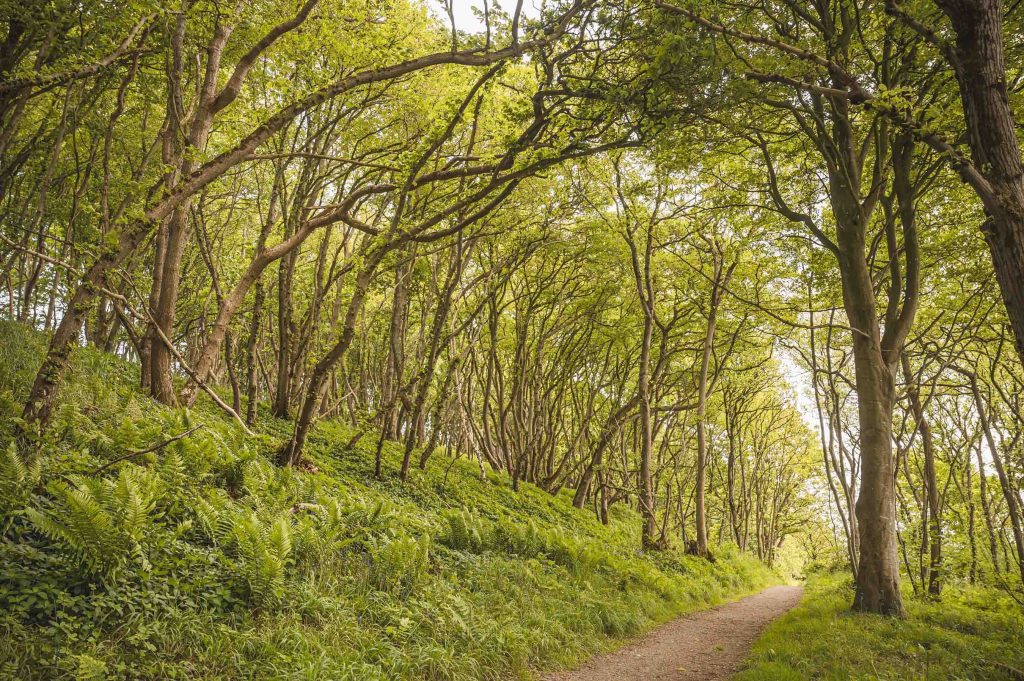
x=707 y=645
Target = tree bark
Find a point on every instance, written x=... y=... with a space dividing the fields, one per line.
x=875 y=361
x=979 y=62
x=645 y=291
x=167 y=282
x=878 y=568
x=1010 y=495
x=292 y=452
x=933 y=528
x=282 y=395
x=721 y=278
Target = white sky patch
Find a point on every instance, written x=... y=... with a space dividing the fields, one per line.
x=469 y=21
x=799 y=380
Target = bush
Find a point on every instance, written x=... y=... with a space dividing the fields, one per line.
x=103 y=523
x=399 y=564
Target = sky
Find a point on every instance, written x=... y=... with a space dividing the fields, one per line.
x=465 y=20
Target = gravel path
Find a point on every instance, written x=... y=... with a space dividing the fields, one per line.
x=707 y=645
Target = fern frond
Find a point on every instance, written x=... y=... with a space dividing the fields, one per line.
x=281 y=538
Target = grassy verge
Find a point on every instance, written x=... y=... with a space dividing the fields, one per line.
x=970 y=634
x=203 y=560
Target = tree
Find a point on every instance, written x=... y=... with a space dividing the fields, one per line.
x=96 y=278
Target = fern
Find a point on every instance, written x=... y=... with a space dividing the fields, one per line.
x=17 y=479
x=326 y=536
x=264 y=552
x=399 y=565
x=464 y=531
x=215 y=515
x=101 y=522
x=172 y=468
x=370 y=518
x=280 y=538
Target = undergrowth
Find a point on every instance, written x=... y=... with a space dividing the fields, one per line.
x=204 y=560
x=971 y=633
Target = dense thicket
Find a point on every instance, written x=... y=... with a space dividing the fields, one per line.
x=722 y=266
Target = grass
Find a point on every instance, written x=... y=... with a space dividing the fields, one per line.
x=972 y=633
x=204 y=560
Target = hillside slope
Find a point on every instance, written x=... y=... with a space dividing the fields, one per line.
x=204 y=560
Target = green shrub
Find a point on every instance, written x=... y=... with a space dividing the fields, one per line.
x=102 y=522
x=399 y=564
x=17 y=480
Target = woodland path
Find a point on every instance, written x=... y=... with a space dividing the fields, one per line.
x=706 y=645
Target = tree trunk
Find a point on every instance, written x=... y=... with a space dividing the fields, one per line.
x=878 y=568
x=646 y=439
x=166 y=284
x=394 y=372
x=645 y=292
x=721 y=278
x=161 y=385
x=933 y=528
x=1010 y=495
x=986 y=508
x=292 y=452
x=285 y=273
x=979 y=63
x=252 y=347
x=426 y=376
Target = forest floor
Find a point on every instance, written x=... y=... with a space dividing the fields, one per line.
x=202 y=559
x=973 y=633
x=711 y=644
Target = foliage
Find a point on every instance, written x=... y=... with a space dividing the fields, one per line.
x=716 y=271
x=101 y=521
x=204 y=560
